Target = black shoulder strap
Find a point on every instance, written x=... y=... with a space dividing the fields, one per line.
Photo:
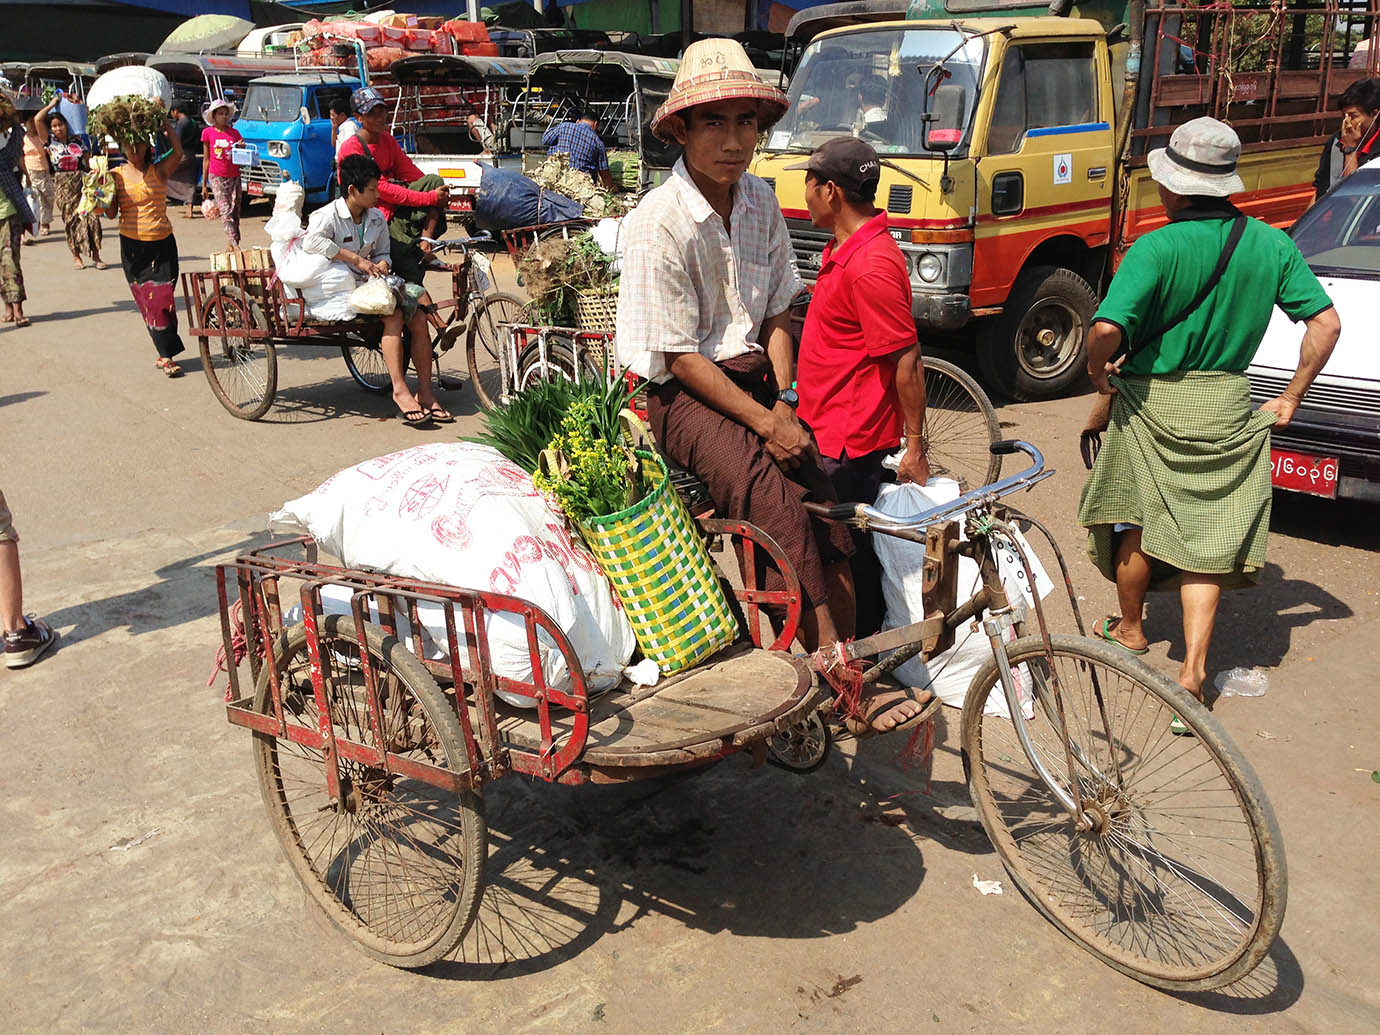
x=1238 y=227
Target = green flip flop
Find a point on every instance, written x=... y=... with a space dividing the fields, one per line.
x=1104 y=630
x=1178 y=727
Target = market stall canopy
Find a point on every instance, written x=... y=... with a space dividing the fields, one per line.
x=206 y=32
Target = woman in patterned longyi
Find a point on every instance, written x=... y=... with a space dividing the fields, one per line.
x=148 y=250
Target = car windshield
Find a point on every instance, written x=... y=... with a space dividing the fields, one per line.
x=268 y=103
x=1341 y=233
x=871 y=84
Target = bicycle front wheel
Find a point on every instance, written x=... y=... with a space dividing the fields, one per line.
x=1181 y=881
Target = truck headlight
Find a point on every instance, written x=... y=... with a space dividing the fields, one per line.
x=928 y=267
x=278 y=149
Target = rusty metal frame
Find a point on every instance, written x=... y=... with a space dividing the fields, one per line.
x=257 y=575
x=1217 y=90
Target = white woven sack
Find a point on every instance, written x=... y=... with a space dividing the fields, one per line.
x=130 y=81
x=461 y=515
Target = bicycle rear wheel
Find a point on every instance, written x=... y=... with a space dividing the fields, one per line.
x=1181 y=883
x=960 y=425
x=398 y=866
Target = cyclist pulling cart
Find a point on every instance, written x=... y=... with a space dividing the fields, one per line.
x=1157 y=853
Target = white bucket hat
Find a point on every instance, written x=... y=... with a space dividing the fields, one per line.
x=1199 y=161
x=209 y=112
x=718 y=70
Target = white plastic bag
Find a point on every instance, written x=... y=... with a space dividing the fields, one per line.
x=328 y=297
x=948 y=674
x=373 y=298
x=460 y=514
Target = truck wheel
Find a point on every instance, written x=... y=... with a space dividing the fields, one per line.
x=1037 y=348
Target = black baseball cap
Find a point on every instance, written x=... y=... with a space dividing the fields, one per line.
x=847 y=161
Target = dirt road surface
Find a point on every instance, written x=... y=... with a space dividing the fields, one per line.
x=141 y=888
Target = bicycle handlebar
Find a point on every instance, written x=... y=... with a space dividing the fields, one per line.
x=879 y=522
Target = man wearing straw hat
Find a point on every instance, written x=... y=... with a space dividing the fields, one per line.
x=703 y=313
x=1180 y=493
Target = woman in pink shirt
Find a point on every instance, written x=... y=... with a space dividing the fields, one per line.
x=222 y=175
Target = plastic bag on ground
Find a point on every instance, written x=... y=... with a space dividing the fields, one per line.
x=947 y=674
x=461 y=515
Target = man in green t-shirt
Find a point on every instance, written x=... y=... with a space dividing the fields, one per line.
x=1180 y=492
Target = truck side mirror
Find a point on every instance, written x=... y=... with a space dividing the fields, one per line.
x=304 y=115
x=944 y=124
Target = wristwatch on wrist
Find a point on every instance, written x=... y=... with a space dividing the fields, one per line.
x=789 y=396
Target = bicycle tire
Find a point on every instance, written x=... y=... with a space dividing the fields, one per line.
x=1117 y=875
x=365 y=364
x=960 y=424
x=334 y=850
x=485 y=332
x=560 y=360
x=234 y=365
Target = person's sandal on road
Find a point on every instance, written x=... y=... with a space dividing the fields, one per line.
x=27 y=645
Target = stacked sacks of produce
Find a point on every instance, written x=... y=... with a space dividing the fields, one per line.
x=463 y=515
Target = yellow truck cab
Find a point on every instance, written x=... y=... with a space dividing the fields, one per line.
x=1013 y=142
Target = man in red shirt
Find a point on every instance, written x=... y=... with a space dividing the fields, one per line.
x=861 y=383
x=414 y=204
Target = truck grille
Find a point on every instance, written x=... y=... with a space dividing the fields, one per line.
x=1335 y=398
x=268 y=174
x=899 y=198
x=808 y=244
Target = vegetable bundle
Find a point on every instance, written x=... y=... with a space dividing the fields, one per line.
x=129 y=121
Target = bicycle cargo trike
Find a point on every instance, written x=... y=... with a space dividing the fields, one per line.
x=241 y=318
x=1156 y=852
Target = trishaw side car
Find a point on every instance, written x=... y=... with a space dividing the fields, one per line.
x=242 y=317
x=1157 y=853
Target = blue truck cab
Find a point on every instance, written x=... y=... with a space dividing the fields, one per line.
x=287 y=118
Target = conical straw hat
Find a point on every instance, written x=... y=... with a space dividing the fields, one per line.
x=718 y=70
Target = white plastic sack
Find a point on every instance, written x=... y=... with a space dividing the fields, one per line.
x=130 y=81
x=373 y=298
x=948 y=674
x=328 y=297
x=462 y=515
x=290 y=197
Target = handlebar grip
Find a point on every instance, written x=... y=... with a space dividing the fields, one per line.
x=1005 y=446
x=842 y=511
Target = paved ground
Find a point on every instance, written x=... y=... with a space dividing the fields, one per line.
x=141 y=888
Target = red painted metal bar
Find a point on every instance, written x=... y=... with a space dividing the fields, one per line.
x=311 y=607
x=462 y=709
x=358 y=609
x=752 y=537
x=227 y=638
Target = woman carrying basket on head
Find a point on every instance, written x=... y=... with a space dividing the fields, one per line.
x=70 y=157
x=148 y=250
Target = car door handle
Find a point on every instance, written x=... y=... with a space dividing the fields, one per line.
x=1097 y=174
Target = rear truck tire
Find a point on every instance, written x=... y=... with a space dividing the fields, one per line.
x=1037 y=348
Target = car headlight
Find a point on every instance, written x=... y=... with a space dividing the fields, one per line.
x=929 y=267
x=278 y=149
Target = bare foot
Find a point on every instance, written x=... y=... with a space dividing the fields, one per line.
x=77 y=264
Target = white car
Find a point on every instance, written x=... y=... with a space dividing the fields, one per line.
x=1332 y=446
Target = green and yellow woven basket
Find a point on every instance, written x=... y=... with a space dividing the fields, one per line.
x=656 y=560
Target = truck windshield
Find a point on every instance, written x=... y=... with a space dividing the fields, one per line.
x=268 y=103
x=871 y=84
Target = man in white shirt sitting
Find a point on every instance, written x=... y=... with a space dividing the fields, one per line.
x=352 y=231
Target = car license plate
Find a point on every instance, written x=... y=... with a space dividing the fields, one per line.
x=1299 y=472
x=256 y=189
x=464 y=203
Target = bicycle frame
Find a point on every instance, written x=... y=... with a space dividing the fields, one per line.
x=936 y=529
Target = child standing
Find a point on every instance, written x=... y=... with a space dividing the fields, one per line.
x=222 y=175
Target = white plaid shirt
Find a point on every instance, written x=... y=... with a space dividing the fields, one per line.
x=686 y=287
